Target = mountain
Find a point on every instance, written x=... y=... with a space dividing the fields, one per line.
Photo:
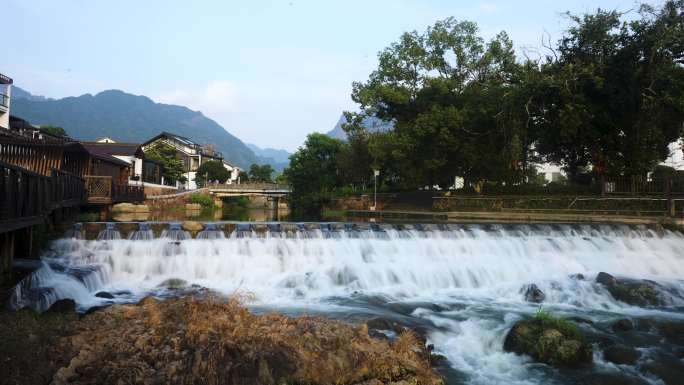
x=19 y=93
x=280 y=156
x=130 y=118
x=371 y=124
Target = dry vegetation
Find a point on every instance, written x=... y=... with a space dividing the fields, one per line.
x=218 y=341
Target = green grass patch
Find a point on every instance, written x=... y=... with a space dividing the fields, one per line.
x=566 y=327
x=206 y=201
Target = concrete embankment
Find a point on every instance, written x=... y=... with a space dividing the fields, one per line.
x=518 y=217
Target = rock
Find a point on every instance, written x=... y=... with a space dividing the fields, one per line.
x=174 y=284
x=577 y=277
x=622 y=325
x=533 y=293
x=549 y=340
x=379 y=324
x=94 y=309
x=142 y=208
x=673 y=332
x=63 y=306
x=667 y=368
x=621 y=354
x=632 y=292
x=581 y=320
x=192 y=226
x=193 y=206
x=104 y=294
x=124 y=208
x=605 y=279
x=610 y=379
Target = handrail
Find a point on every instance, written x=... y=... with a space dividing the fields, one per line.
x=248 y=186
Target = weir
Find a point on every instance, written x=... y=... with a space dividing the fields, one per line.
x=463 y=284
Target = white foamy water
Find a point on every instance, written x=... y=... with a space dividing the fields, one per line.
x=481 y=269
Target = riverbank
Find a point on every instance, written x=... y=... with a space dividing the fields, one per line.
x=206 y=340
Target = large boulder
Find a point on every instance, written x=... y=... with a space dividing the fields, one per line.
x=174 y=284
x=632 y=292
x=553 y=341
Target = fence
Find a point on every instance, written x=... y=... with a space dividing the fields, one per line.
x=101 y=189
x=27 y=196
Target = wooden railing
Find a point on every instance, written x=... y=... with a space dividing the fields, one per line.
x=26 y=196
x=101 y=189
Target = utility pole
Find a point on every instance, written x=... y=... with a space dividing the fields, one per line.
x=376 y=173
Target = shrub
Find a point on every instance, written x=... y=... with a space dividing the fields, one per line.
x=205 y=201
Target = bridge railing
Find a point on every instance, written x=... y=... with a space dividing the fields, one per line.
x=102 y=189
x=248 y=186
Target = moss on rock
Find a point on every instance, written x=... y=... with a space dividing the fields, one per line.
x=554 y=341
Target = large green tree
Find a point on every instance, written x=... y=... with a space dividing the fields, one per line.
x=212 y=170
x=313 y=174
x=172 y=167
x=261 y=173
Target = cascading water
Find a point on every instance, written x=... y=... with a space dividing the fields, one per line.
x=175 y=232
x=210 y=231
x=460 y=283
x=109 y=233
x=75 y=232
x=143 y=233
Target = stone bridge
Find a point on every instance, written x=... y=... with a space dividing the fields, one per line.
x=249 y=189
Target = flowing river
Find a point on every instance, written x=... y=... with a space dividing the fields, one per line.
x=461 y=285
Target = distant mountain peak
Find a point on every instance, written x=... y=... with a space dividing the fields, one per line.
x=371 y=123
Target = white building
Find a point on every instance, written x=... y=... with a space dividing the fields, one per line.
x=192 y=154
x=234 y=172
x=5 y=96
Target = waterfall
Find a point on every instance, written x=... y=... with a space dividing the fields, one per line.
x=143 y=233
x=109 y=233
x=175 y=232
x=463 y=284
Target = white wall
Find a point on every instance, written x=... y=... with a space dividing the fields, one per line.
x=4 y=116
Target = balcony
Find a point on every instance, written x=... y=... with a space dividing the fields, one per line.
x=4 y=102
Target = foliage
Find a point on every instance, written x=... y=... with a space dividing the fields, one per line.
x=204 y=200
x=54 y=130
x=172 y=167
x=606 y=100
x=313 y=173
x=261 y=173
x=212 y=170
x=243 y=176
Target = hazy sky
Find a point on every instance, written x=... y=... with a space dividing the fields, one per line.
x=270 y=72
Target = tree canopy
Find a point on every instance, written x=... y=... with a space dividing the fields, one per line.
x=261 y=173
x=172 y=167
x=606 y=99
x=212 y=170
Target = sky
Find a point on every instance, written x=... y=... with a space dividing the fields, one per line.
x=269 y=71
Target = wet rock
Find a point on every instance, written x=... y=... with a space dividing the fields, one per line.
x=192 y=226
x=673 y=332
x=667 y=368
x=549 y=340
x=63 y=306
x=577 y=277
x=605 y=279
x=94 y=309
x=621 y=354
x=174 y=284
x=104 y=294
x=581 y=320
x=533 y=293
x=632 y=292
x=611 y=379
x=622 y=325
x=380 y=324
